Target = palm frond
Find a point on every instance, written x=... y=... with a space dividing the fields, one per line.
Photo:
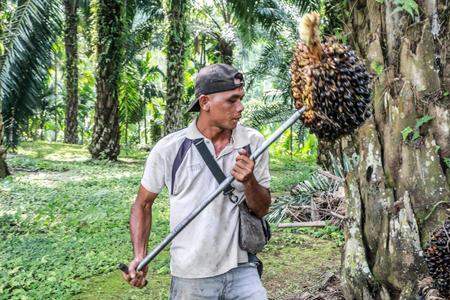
x=279 y=19
x=318 y=184
x=259 y=113
x=130 y=108
x=28 y=42
x=137 y=89
x=143 y=19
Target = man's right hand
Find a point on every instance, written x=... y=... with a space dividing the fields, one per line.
x=136 y=279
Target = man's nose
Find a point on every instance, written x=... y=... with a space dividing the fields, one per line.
x=240 y=107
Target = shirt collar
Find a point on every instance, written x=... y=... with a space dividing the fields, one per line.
x=239 y=137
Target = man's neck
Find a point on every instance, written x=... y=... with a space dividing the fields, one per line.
x=214 y=133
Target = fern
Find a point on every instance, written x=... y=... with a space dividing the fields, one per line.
x=410 y=6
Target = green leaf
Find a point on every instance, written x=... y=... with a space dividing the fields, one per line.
x=416 y=135
x=445 y=93
x=425 y=119
x=410 y=6
x=406 y=132
x=397 y=10
x=447 y=161
x=377 y=67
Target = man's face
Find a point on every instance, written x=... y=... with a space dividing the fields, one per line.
x=224 y=108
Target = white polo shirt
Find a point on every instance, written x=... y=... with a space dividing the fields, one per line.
x=208 y=246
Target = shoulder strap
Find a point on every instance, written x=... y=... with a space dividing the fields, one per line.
x=185 y=146
x=248 y=149
x=211 y=163
x=209 y=160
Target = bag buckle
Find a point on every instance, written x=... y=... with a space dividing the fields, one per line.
x=231 y=196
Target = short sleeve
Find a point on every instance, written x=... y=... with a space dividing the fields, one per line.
x=261 y=170
x=154 y=172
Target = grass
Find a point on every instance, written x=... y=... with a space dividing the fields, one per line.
x=286 y=172
x=64 y=223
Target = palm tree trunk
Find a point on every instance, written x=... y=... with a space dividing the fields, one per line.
x=105 y=138
x=56 y=99
x=70 y=41
x=176 y=41
x=145 y=124
x=398 y=181
x=3 y=167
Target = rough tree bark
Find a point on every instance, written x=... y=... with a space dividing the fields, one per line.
x=105 y=138
x=397 y=183
x=70 y=41
x=175 y=65
x=3 y=167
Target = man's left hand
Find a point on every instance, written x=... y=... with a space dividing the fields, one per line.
x=243 y=169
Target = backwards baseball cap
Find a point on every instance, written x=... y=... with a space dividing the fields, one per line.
x=213 y=79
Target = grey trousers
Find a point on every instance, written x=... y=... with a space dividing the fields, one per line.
x=241 y=283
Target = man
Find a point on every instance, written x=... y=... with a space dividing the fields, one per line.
x=206 y=260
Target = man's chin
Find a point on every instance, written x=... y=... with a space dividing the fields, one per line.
x=234 y=124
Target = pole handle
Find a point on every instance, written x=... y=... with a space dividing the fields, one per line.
x=124 y=268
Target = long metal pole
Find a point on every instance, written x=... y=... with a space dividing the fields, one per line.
x=215 y=193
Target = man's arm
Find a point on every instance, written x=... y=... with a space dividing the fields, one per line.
x=257 y=197
x=140 y=226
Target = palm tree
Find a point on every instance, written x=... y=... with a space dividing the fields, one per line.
x=71 y=41
x=216 y=27
x=130 y=27
x=399 y=192
x=176 y=43
x=137 y=87
x=105 y=138
x=30 y=33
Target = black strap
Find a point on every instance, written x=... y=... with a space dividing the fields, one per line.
x=185 y=146
x=209 y=160
x=211 y=163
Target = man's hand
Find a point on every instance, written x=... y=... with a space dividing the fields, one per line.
x=257 y=197
x=134 y=278
x=243 y=169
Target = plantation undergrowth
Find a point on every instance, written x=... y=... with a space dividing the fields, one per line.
x=64 y=223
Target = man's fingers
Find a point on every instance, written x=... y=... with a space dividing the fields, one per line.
x=241 y=169
x=139 y=281
x=132 y=273
x=142 y=283
x=135 y=281
x=242 y=158
x=245 y=163
x=126 y=276
x=238 y=174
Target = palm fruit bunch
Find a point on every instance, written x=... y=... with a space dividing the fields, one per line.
x=331 y=81
x=437 y=256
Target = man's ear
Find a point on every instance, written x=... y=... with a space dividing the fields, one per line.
x=204 y=102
